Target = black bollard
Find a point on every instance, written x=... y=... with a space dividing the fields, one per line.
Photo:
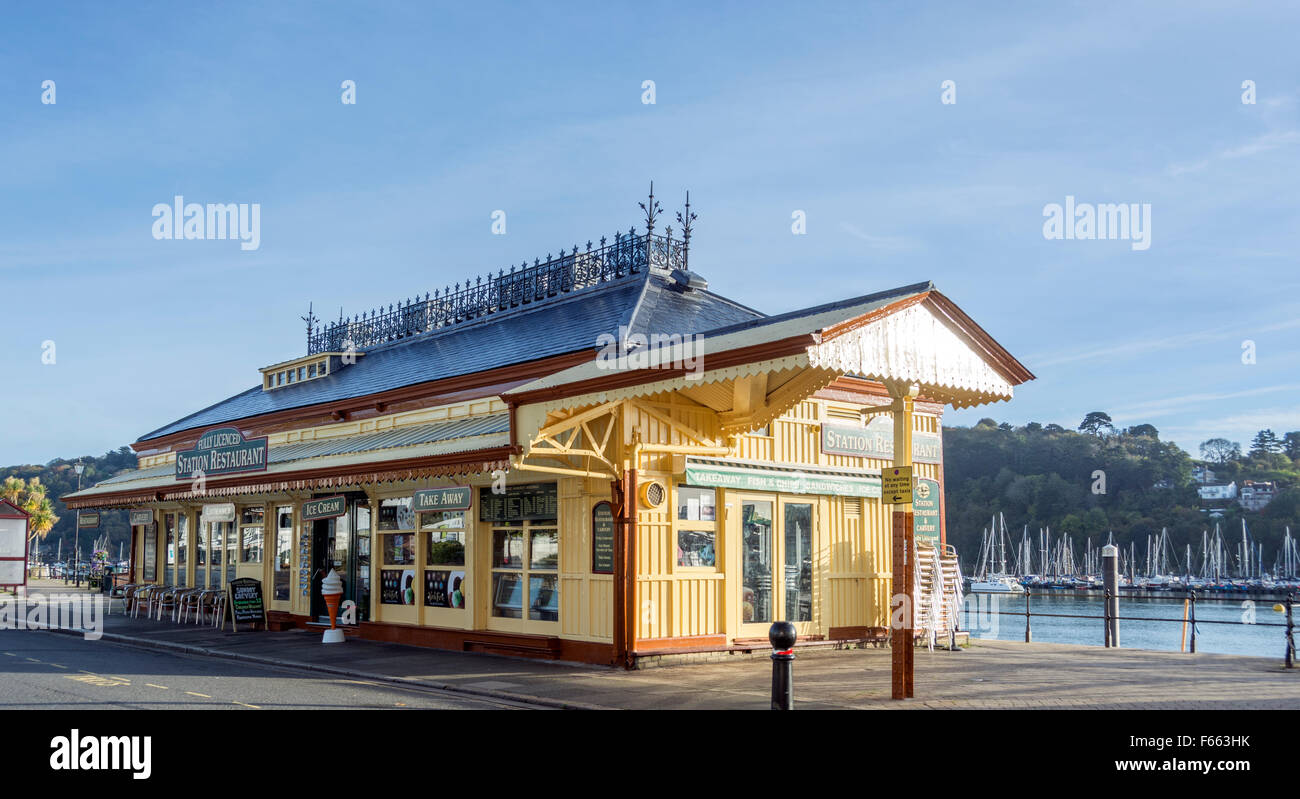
x=782 y=635
x=1290 y=642
x=1027 y=636
x=1192 y=597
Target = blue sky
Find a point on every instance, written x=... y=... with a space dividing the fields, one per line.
x=536 y=109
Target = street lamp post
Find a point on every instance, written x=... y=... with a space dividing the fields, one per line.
x=76 y=557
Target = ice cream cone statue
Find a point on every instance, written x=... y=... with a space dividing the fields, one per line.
x=331 y=589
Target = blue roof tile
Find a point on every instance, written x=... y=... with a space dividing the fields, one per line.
x=645 y=303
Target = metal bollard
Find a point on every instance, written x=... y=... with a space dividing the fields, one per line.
x=1105 y=615
x=1290 y=642
x=782 y=635
x=1028 y=638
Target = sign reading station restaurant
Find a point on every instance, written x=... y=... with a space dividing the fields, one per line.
x=222 y=451
x=876 y=440
x=602 y=538
x=925 y=509
x=323 y=508
x=433 y=499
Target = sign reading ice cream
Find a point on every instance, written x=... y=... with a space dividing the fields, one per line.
x=222 y=451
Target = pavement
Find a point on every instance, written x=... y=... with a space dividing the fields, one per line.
x=985 y=675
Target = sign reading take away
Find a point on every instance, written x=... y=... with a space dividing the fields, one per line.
x=896 y=485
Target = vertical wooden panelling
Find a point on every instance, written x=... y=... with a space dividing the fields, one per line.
x=586 y=599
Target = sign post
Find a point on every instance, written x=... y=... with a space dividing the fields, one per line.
x=896 y=488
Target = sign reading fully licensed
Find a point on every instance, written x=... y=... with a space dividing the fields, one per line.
x=876 y=440
x=222 y=451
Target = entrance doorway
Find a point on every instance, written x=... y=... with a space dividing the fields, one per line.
x=342 y=544
x=775 y=535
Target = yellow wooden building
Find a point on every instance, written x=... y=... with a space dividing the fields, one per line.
x=592 y=458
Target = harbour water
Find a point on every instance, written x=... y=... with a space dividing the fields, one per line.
x=1245 y=635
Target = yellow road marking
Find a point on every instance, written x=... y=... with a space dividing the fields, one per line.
x=192 y=693
x=57 y=666
x=11 y=654
x=95 y=679
x=254 y=707
x=34 y=660
x=151 y=685
x=400 y=704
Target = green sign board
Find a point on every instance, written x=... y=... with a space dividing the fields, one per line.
x=927 y=500
x=432 y=499
x=602 y=538
x=141 y=517
x=754 y=479
x=222 y=451
x=876 y=440
x=87 y=521
x=323 y=508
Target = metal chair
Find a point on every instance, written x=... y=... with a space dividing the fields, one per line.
x=187 y=602
x=141 y=599
x=167 y=599
x=219 y=609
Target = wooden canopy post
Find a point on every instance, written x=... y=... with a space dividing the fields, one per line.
x=902 y=646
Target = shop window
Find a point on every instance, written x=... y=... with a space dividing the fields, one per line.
x=525 y=562
x=397 y=585
x=169 y=525
x=182 y=547
x=283 y=552
x=250 y=535
x=444 y=547
x=696 y=527
x=362 y=517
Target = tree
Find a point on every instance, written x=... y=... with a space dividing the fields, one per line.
x=986 y=424
x=1291 y=445
x=1220 y=450
x=31 y=497
x=1143 y=430
x=1033 y=427
x=1097 y=424
x=1053 y=427
x=1265 y=441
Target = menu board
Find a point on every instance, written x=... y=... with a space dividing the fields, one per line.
x=246 y=606
x=151 y=552
x=519 y=503
x=444 y=589
x=602 y=538
x=304 y=561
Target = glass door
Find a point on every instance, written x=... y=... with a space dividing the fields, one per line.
x=776 y=563
x=757 y=559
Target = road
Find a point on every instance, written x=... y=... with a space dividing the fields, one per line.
x=45 y=671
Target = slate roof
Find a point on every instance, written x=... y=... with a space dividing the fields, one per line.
x=644 y=302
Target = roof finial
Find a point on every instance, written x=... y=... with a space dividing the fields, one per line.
x=651 y=209
x=310 y=319
x=686 y=220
